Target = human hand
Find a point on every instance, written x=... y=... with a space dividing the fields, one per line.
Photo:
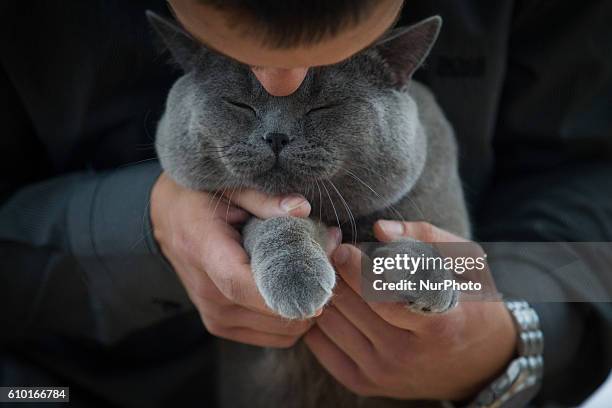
x=196 y=233
x=383 y=349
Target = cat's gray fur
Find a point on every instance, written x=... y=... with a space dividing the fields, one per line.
x=376 y=143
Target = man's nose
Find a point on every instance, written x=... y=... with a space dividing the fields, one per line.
x=280 y=81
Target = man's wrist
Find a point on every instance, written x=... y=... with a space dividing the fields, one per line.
x=521 y=380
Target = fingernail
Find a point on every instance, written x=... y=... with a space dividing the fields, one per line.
x=336 y=236
x=290 y=203
x=392 y=228
x=341 y=255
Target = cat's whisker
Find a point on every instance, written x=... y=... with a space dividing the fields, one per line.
x=203 y=147
x=349 y=212
x=144 y=231
x=221 y=156
x=145 y=147
x=414 y=204
x=145 y=121
x=137 y=162
x=407 y=196
x=306 y=190
x=229 y=203
x=220 y=147
x=219 y=199
x=320 y=202
x=217 y=196
x=391 y=207
x=157 y=157
x=215 y=152
x=332 y=203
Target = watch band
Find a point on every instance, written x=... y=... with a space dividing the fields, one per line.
x=531 y=338
x=521 y=380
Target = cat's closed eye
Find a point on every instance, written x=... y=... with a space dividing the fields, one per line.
x=240 y=105
x=319 y=109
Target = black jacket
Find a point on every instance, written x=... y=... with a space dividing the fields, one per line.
x=87 y=301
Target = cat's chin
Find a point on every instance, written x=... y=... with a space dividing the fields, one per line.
x=277 y=181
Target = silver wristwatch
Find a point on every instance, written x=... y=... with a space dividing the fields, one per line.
x=521 y=380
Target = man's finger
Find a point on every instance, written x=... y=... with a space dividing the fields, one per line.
x=254 y=338
x=228 y=266
x=235 y=316
x=334 y=238
x=346 y=336
x=387 y=230
x=347 y=260
x=267 y=206
x=336 y=362
x=360 y=314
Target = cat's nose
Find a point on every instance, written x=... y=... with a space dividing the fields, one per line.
x=276 y=141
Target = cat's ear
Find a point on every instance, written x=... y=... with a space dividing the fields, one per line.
x=183 y=47
x=404 y=49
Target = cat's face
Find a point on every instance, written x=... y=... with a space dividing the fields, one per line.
x=350 y=128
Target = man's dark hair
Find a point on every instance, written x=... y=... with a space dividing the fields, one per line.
x=287 y=23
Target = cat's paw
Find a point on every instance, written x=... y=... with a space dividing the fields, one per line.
x=290 y=267
x=295 y=285
x=421 y=299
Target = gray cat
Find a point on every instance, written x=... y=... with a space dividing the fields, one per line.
x=358 y=139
